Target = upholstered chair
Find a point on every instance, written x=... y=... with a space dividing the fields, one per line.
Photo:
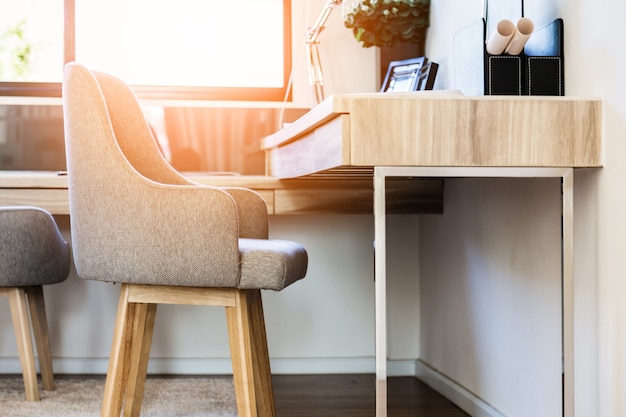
x=138 y=222
x=32 y=254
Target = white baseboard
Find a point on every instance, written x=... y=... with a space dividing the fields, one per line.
x=222 y=366
x=464 y=399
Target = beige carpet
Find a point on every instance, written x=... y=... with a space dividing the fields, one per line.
x=82 y=397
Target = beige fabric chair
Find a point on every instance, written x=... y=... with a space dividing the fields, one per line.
x=138 y=222
x=32 y=254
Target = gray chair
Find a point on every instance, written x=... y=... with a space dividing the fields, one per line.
x=32 y=254
x=137 y=221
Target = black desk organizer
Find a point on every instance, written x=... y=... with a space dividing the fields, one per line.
x=538 y=70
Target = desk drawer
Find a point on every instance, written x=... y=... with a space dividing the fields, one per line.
x=323 y=148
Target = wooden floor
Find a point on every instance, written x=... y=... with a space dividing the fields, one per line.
x=354 y=396
x=346 y=395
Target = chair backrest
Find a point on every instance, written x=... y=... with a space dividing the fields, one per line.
x=125 y=199
x=32 y=250
x=133 y=133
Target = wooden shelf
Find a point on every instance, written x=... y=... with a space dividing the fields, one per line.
x=313 y=195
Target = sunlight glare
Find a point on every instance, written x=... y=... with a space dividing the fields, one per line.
x=43 y=32
x=213 y=43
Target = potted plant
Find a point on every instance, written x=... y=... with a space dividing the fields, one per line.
x=386 y=23
x=397 y=27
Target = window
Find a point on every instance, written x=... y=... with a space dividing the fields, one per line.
x=31 y=47
x=187 y=49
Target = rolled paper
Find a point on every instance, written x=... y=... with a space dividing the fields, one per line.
x=524 y=29
x=501 y=37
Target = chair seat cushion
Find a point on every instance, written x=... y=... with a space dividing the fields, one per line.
x=271 y=264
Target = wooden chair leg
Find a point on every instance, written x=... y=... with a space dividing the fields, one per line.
x=261 y=359
x=38 y=317
x=117 y=374
x=140 y=353
x=238 y=323
x=21 y=326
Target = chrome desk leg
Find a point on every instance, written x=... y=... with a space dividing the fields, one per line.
x=568 y=292
x=380 y=276
x=567 y=271
x=567 y=254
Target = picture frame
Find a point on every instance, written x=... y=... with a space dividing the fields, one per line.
x=413 y=74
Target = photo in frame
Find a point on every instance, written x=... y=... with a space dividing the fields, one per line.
x=414 y=74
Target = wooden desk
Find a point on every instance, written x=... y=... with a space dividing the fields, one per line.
x=427 y=135
x=297 y=196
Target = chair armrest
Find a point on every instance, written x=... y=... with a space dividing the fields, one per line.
x=252 y=210
x=157 y=234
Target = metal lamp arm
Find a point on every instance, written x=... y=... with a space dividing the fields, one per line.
x=316 y=77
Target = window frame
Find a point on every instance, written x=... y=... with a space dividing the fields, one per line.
x=178 y=92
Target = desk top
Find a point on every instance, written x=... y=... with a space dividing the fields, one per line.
x=438 y=129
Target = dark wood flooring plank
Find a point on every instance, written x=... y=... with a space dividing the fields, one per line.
x=354 y=396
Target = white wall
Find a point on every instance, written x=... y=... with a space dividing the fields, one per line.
x=594 y=67
x=491 y=292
